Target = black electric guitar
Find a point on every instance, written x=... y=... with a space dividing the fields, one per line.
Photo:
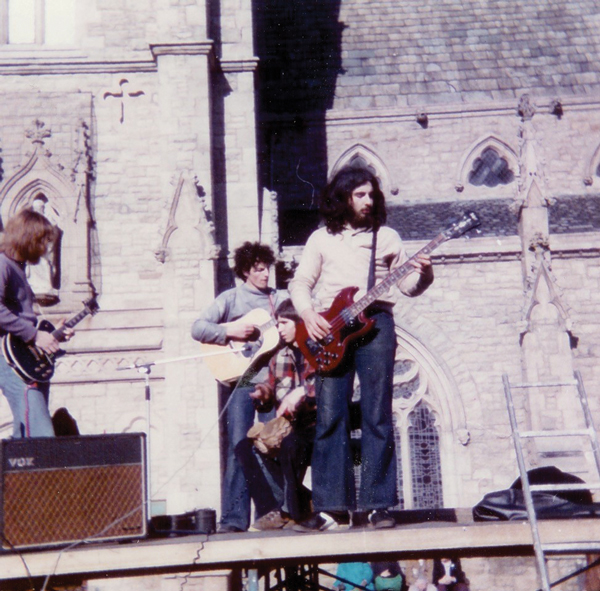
x=347 y=318
x=30 y=362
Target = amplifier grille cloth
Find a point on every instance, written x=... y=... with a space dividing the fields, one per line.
x=73 y=504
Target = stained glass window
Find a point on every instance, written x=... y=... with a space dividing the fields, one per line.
x=424 y=444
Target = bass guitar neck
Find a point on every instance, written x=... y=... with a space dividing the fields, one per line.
x=347 y=318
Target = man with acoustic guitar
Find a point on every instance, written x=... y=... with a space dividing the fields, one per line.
x=222 y=323
x=27 y=237
x=354 y=249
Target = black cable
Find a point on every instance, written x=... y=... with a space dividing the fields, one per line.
x=248 y=374
x=195 y=561
x=16 y=551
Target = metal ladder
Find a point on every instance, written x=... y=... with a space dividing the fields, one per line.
x=541 y=549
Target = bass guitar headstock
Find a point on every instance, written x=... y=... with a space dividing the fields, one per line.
x=467 y=222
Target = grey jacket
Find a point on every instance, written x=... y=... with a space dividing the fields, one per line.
x=16 y=301
x=229 y=306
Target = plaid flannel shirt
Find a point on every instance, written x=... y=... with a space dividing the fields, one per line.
x=288 y=371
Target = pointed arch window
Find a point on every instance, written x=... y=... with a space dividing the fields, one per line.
x=490 y=170
x=428 y=419
x=359 y=162
x=45 y=277
x=359 y=156
x=419 y=470
x=424 y=442
x=63 y=277
x=424 y=472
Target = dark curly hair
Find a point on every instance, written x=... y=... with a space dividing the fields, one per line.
x=335 y=201
x=250 y=254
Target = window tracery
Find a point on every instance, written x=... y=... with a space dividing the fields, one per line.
x=64 y=277
x=491 y=170
x=489 y=162
x=424 y=441
x=361 y=156
x=417 y=437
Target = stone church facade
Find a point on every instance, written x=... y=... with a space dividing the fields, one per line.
x=160 y=135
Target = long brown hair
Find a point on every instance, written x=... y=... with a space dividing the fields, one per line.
x=27 y=236
x=335 y=201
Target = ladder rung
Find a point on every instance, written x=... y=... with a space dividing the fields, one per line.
x=544 y=384
x=551 y=487
x=558 y=433
x=576 y=547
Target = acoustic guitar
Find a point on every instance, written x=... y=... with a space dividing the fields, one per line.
x=228 y=363
x=347 y=318
x=30 y=362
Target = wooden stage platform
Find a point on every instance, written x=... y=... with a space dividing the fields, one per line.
x=193 y=553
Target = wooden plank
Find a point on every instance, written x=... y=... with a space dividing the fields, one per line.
x=195 y=553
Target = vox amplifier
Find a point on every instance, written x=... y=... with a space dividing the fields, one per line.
x=61 y=490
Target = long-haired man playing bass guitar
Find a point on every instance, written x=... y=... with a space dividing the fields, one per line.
x=336 y=257
x=27 y=237
x=223 y=323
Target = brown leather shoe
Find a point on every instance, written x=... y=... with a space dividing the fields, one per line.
x=272 y=520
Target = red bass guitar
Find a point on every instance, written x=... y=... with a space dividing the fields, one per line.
x=346 y=317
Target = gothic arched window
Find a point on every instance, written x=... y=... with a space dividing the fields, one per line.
x=64 y=275
x=491 y=170
x=419 y=471
x=427 y=417
x=426 y=472
x=44 y=277
x=359 y=162
x=359 y=156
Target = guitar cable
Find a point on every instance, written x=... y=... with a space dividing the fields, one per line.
x=241 y=381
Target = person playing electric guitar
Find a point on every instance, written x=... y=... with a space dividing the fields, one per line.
x=27 y=237
x=220 y=323
x=338 y=256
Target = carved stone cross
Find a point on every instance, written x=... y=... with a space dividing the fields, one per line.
x=122 y=96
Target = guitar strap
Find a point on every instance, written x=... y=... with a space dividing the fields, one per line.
x=272 y=305
x=371 y=281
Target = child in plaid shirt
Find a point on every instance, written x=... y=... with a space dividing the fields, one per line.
x=275 y=479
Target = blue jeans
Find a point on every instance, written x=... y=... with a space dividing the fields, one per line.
x=28 y=404
x=372 y=359
x=235 y=497
x=276 y=482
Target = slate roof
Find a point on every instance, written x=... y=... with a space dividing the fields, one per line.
x=575 y=214
x=424 y=221
x=367 y=54
x=449 y=50
x=498 y=218
x=427 y=220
